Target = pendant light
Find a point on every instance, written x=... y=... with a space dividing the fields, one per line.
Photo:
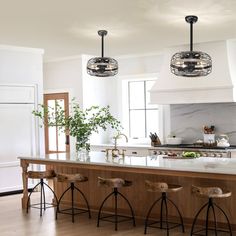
x=102 y=66
x=191 y=63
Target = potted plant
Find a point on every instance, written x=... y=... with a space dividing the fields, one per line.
x=80 y=123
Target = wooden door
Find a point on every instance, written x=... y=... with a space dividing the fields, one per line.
x=56 y=140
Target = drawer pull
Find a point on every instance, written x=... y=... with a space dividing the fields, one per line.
x=103 y=150
x=134 y=153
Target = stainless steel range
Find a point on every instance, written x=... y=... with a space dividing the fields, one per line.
x=220 y=152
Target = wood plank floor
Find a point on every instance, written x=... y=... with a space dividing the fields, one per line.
x=15 y=222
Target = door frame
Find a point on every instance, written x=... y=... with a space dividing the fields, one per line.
x=56 y=96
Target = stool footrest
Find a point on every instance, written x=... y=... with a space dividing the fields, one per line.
x=77 y=211
x=209 y=229
x=171 y=225
x=47 y=205
x=113 y=220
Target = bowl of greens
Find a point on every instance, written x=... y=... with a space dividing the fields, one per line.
x=187 y=154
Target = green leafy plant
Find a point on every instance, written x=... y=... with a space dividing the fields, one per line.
x=80 y=123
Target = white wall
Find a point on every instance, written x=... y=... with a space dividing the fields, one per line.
x=100 y=91
x=64 y=76
x=70 y=75
x=136 y=65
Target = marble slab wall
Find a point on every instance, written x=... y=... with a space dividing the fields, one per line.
x=187 y=120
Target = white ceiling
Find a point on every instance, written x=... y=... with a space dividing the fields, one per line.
x=69 y=27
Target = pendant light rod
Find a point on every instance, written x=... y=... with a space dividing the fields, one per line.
x=102 y=45
x=102 y=33
x=191 y=36
x=191 y=20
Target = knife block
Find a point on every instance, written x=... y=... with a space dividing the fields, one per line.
x=155 y=143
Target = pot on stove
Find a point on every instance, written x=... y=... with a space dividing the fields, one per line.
x=173 y=140
x=223 y=141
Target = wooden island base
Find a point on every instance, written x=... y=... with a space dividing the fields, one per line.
x=139 y=198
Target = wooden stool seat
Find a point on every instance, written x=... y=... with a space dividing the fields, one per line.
x=114 y=182
x=210 y=192
x=163 y=222
x=72 y=178
x=48 y=174
x=161 y=187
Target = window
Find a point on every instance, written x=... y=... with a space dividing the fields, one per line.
x=143 y=117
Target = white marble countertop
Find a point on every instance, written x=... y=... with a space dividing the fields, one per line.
x=202 y=164
x=122 y=145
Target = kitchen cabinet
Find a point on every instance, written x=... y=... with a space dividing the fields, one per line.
x=129 y=150
x=18 y=133
x=21 y=89
x=136 y=151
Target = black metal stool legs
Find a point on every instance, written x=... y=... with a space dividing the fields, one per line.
x=229 y=226
x=210 y=205
x=43 y=205
x=59 y=201
x=164 y=199
x=73 y=210
x=85 y=199
x=130 y=207
x=180 y=216
x=72 y=202
x=115 y=215
x=100 y=209
x=149 y=212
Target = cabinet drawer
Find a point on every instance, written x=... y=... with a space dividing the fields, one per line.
x=98 y=149
x=135 y=152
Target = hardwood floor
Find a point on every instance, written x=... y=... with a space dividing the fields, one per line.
x=15 y=222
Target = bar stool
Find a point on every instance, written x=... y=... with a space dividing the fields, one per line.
x=164 y=222
x=41 y=175
x=210 y=193
x=72 y=179
x=115 y=218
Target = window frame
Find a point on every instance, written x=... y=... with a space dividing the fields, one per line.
x=127 y=107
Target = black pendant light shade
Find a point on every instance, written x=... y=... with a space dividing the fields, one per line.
x=191 y=63
x=102 y=66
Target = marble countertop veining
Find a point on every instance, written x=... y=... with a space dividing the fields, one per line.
x=202 y=164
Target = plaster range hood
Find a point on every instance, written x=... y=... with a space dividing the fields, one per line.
x=219 y=86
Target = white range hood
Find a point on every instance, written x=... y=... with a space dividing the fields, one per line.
x=219 y=86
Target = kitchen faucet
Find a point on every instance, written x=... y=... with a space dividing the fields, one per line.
x=115 y=151
x=117 y=136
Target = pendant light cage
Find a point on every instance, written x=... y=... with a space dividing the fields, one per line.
x=191 y=63
x=102 y=66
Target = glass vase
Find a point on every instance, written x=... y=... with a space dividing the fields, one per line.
x=82 y=148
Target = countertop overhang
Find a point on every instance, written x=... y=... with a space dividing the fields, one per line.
x=226 y=166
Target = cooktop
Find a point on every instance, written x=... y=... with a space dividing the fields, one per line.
x=197 y=146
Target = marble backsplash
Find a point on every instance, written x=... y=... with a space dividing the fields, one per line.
x=187 y=120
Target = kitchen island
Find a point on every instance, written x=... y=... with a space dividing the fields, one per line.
x=203 y=171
